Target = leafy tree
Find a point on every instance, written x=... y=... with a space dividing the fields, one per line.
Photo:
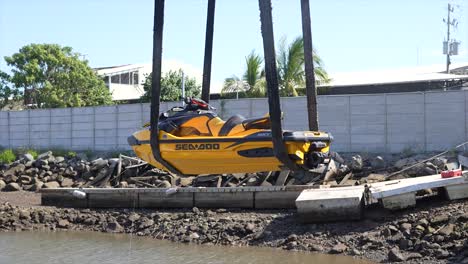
x=54 y=76
x=290 y=61
x=252 y=83
x=7 y=93
x=171 y=86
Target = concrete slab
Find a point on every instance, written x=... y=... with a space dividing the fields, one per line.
x=454 y=192
x=276 y=199
x=397 y=187
x=400 y=201
x=113 y=199
x=63 y=199
x=224 y=199
x=163 y=200
x=317 y=205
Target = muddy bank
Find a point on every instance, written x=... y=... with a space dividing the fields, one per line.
x=434 y=232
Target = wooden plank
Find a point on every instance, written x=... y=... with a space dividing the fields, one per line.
x=283 y=175
x=391 y=188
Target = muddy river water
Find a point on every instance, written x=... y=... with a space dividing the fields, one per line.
x=90 y=247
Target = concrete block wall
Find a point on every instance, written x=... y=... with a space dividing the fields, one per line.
x=427 y=121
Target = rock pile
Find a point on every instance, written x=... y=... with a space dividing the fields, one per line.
x=49 y=171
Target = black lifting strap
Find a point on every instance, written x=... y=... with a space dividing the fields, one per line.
x=272 y=85
x=208 y=51
x=156 y=84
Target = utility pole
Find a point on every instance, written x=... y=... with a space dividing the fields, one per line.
x=183 y=88
x=448 y=39
x=450 y=46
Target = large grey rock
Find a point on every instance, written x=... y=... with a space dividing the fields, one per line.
x=12 y=187
x=378 y=162
x=31 y=171
x=98 y=164
x=44 y=156
x=374 y=177
x=186 y=181
x=25 y=179
x=402 y=163
x=66 y=182
x=2 y=185
x=164 y=184
x=394 y=255
x=194 y=236
x=40 y=163
x=15 y=170
x=447 y=230
x=338 y=248
x=440 y=162
x=114 y=227
x=356 y=163
x=59 y=159
x=63 y=223
x=27 y=157
x=146 y=222
x=10 y=178
x=36 y=186
x=51 y=184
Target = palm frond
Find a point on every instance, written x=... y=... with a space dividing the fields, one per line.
x=259 y=89
x=234 y=84
x=253 y=72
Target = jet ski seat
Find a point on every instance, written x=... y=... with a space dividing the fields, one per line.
x=238 y=123
x=230 y=124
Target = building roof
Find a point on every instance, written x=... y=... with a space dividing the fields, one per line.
x=403 y=75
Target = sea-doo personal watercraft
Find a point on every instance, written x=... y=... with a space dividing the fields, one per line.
x=194 y=140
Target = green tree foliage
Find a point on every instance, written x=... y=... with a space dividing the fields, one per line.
x=54 y=76
x=7 y=93
x=290 y=63
x=171 y=86
x=252 y=83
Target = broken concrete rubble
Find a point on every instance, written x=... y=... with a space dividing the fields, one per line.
x=77 y=171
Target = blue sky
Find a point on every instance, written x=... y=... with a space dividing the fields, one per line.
x=350 y=36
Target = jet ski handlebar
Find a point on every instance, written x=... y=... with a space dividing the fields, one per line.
x=193 y=104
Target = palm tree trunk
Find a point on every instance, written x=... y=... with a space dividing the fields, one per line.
x=311 y=90
x=208 y=51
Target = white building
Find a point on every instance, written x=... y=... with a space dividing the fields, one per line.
x=125 y=82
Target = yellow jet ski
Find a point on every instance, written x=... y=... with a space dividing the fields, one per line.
x=194 y=140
